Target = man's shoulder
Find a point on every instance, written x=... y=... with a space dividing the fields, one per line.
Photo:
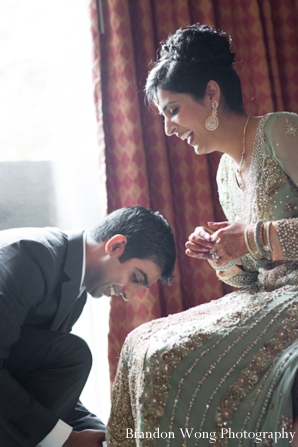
x=44 y=245
x=46 y=235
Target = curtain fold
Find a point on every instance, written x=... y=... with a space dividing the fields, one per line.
x=97 y=89
x=147 y=168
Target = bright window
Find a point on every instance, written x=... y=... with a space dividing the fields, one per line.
x=47 y=113
x=46 y=98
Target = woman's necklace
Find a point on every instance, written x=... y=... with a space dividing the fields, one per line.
x=238 y=170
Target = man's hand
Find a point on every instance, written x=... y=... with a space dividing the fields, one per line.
x=86 y=438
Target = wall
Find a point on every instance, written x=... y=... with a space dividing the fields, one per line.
x=26 y=194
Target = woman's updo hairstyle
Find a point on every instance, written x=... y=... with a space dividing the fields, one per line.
x=192 y=57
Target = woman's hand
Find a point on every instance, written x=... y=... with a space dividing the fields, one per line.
x=228 y=240
x=220 y=243
x=228 y=274
x=199 y=243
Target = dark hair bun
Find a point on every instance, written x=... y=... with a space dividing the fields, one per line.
x=199 y=44
x=189 y=59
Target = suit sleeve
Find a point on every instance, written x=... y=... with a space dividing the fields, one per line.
x=82 y=419
x=23 y=285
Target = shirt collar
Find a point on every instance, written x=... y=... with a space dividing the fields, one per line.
x=82 y=287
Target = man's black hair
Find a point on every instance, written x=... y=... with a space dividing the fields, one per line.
x=148 y=234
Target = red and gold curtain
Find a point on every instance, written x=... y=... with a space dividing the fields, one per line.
x=145 y=167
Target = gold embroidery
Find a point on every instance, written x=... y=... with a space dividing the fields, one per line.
x=273 y=177
x=287 y=230
x=286 y=424
x=161 y=365
x=291 y=130
x=250 y=376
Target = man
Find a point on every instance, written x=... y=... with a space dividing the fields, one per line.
x=44 y=279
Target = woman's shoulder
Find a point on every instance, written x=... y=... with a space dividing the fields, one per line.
x=287 y=121
x=278 y=128
x=271 y=127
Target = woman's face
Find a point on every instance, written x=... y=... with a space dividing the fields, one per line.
x=185 y=118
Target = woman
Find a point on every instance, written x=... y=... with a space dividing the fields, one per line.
x=221 y=373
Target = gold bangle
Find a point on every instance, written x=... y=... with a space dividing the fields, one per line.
x=267 y=241
x=250 y=243
x=259 y=240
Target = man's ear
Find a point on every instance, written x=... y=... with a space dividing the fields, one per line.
x=115 y=246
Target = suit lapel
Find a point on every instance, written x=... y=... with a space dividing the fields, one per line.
x=70 y=290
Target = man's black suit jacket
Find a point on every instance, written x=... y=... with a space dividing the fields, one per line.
x=40 y=275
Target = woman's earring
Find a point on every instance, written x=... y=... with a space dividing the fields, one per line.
x=211 y=122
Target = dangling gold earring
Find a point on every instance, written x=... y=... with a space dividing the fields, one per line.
x=211 y=122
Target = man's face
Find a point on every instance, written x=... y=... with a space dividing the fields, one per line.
x=123 y=279
x=106 y=275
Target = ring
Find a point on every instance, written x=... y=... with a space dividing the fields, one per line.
x=215 y=255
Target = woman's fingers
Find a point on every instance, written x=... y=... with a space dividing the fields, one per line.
x=217 y=225
x=228 y=274
x=198 y=250
x=201 y=237
x=198 y=246
x=198 y=254
x=199 y=243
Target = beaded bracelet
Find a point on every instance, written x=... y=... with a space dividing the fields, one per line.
x=225 y=267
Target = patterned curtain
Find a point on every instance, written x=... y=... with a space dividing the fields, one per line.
x=145 y=167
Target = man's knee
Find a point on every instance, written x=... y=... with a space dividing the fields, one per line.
x=39 y=350
x=75 y=351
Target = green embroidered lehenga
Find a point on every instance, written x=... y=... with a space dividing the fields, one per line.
x=221 y=373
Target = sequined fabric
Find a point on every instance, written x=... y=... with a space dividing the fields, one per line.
x=221 y=373
x=270 y=195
